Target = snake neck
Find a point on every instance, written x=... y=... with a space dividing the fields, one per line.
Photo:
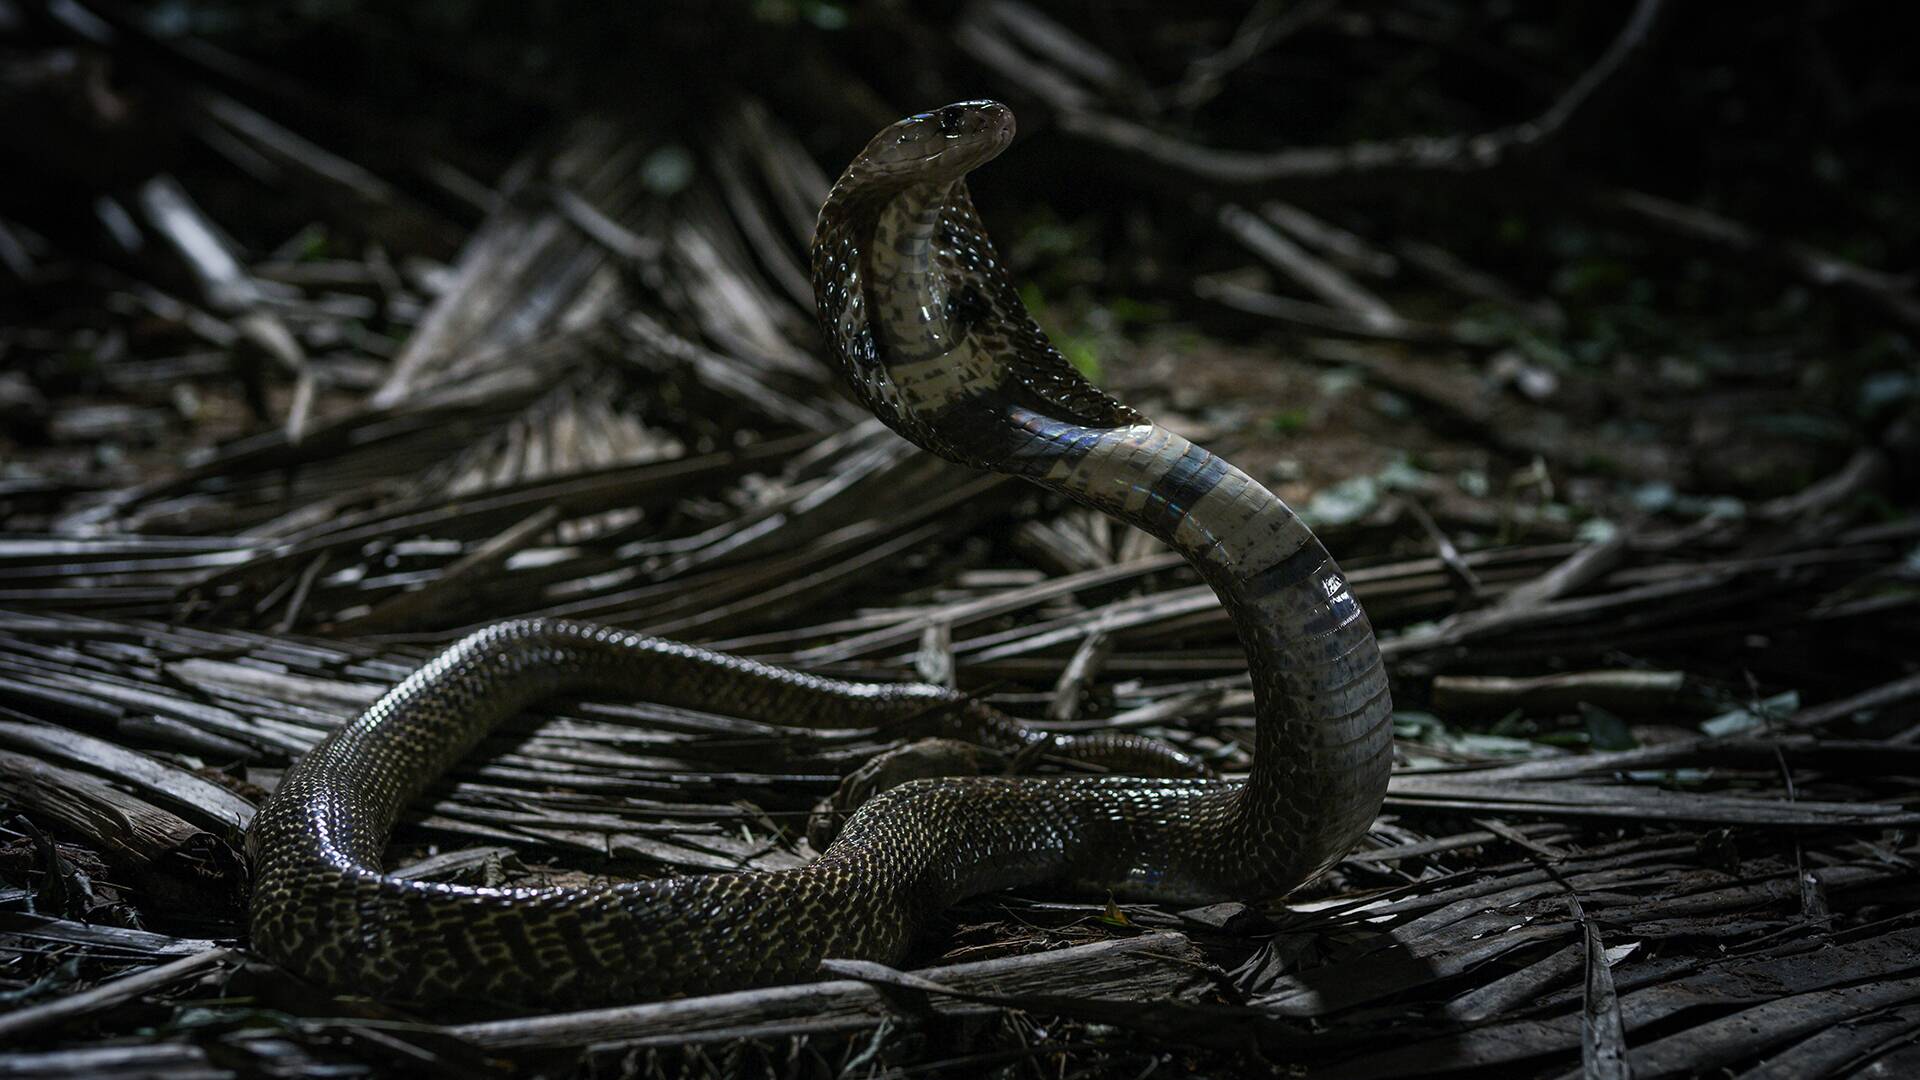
x=922 y=320
x=912 y=309
x=1320 y=694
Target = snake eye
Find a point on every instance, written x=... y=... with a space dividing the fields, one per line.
x=949 y=120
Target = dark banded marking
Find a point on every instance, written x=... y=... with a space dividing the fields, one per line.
x=1287 y=574
x=1178 y=490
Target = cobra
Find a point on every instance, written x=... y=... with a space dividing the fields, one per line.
x=922 y=319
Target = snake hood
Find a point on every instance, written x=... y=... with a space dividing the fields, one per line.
x=919 y=313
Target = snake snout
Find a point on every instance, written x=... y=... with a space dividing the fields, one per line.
x=983 y=119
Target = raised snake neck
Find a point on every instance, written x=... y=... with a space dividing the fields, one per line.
x=932 y=336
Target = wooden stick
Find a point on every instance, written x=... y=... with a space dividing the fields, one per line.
x=106 y=995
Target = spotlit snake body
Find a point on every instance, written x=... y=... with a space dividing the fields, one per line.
x=922 y=319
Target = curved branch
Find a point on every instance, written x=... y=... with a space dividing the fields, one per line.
x=1384 y=158
x=1890 y=294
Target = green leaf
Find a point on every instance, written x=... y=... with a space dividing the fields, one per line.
x=1606 y=730
x=1287 y=421
x=1776 y=708
x=1343 y=503
x=1080 y=353
x=1127 y=310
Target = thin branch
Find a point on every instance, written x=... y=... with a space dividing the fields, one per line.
x=1892 y=295
x=107 y=995
x=1266 y=26
x=1312 y=274
x=1390 y=158
x=1331 y=320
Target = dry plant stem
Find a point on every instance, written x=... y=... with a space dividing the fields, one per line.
x=1387 y=160
x=1893 y=296
x=1268 y=24
x=1307 y=271
x=1329 y=320
x=1337 y=244
x=1630 y=692
x=1136 y=969
x=229 y=289
x=15 y=1024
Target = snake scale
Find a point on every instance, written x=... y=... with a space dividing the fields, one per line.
x=932 y=336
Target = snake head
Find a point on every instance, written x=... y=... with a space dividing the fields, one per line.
x=941 y=144
x=919 y=313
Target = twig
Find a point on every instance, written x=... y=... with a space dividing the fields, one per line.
x=1081 y=669
x=608 y=233
x=1447 y=269
x=1312 y=274
x=975 y=33
x=1319 y=316
x=1890 y=295
x=1665 y=755
x=107 y=995
x=1045 y=37
x=352 y=192
x=229 y=288
x=1866 y=468
x=1336 y=243
x=1465 y=581
x=1897 y=692
x=1457 y=155
x=841 y=1003
x=1586 y=565
x=1267 y=25
x=1615 y=691
x=437 y=595
x=1603 y=1035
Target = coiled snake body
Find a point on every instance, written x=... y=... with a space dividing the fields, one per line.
x=934 y=339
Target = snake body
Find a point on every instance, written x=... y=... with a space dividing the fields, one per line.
x=929 y=331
